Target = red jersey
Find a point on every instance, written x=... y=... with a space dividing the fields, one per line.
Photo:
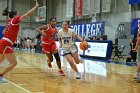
x=11 y=29
x=50 y=35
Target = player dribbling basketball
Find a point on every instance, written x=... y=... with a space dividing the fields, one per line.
x=65 y=36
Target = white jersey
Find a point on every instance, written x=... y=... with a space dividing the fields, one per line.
x=66 y=37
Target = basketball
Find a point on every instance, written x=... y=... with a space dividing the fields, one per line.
x=83 y=45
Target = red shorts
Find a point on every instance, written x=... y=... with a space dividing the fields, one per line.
x=49 y=48
x=5 y=47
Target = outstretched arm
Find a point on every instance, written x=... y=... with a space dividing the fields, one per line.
x=60 y=40
x=29 y=12
x=77 y=36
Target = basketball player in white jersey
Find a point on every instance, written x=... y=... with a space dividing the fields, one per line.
x=65 y=37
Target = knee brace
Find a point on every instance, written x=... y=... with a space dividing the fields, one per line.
x=56 y=55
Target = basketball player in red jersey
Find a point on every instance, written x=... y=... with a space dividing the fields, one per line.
x=10 y=35
x=48 y=43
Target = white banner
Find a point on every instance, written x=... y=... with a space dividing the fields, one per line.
x=3 y=3
x=95 y=6
x=86 y=7
x=106 y=5
x=69 y=10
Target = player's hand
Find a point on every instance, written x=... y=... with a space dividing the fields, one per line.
x=37 y=5
x=43 y=34
x=60 y=46
x=134 y=49
x=82 y=39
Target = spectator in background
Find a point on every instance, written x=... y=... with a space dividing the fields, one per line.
x=38 y=48
x=101 y=38
x=94 y=38
x=132 y=53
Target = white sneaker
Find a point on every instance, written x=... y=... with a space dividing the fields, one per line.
x=78 y=75
x=2 y=80
x=136 y=74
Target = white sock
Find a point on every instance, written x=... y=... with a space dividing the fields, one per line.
x=136 y=74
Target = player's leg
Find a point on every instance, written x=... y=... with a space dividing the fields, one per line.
x=76 y=58
x=13 y=62
x=136 y=75
x=57 y=57
x=50 y=59
x=2 y=57
x=72 y=64
x=47 y=50
x=2 y=47
x=75 y=55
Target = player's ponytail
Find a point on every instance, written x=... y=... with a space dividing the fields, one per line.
x=7 y=13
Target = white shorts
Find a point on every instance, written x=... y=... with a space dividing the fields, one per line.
x=70 y=50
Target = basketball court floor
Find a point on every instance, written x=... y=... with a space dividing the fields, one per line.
x=32 y=75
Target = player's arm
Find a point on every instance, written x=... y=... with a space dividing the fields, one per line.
x=77 y=36
x=29 y=13
x=42 y=29
x=137 y=44
x=59 y=40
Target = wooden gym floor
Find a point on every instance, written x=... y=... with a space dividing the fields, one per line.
x=32 y=75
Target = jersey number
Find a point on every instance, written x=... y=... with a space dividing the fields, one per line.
x=66 y=41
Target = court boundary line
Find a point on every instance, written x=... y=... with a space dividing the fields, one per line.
x=19 y=86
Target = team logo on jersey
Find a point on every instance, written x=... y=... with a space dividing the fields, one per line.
x=52 y=36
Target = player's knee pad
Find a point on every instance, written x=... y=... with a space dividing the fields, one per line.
x=57 y=57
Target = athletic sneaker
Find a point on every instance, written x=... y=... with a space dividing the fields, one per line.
x=61 y=72
x=49 y=63
x=136 y=75
x=78 y=75
x=2 y=80
x=137 y=79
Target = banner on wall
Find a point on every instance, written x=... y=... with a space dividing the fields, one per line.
x=1 y=29
x=94 y=29
x=134 y=1
x=77 y=7
x=86 y=7
x=134 y=25
x=95 y=6
x=69 y=11
x=4 y=4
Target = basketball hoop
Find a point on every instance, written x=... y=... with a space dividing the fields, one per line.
x=37 y=18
